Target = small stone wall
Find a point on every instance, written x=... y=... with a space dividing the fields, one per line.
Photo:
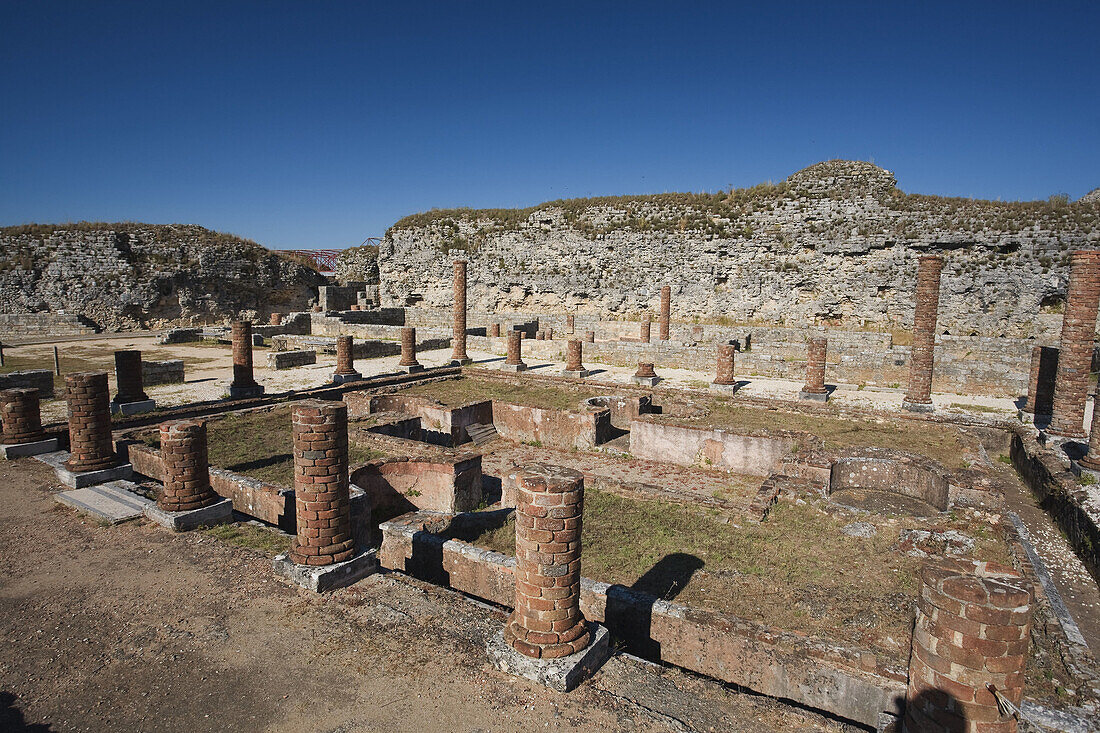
x=40 y=379
x=552 y=428
x=162 y=372
x=45 y=324
x=906 y=476
x=395 y=486
x=290 y=359
x=624 y=408
x=754 y=455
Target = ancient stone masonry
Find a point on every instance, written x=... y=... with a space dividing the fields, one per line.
x=919 y=395
x=321 y=496
x=90 y=441
x=183 y=450
x=1071 y=385
x=666 y=311
x=408 y=361
x=644 y=327
x=1040 y=390
x=815 y=369
x=243 y=384
x=459 y=354
x=129 y=378
x=345 y=360
x=573 y=366
x=645 y=375
x=20 y=416
x=972 y=630
x=725 y=375
x=514 y=359
x=547 y=622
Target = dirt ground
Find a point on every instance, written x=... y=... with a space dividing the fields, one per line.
x=132 y=628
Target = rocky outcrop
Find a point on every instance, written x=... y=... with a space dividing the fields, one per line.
x=121 y=276
x=358 y=264
x=836 y=243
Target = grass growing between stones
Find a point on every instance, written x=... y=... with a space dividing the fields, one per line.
x=462 y=391
x=261 y=539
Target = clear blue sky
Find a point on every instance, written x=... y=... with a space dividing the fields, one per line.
x=314 y=124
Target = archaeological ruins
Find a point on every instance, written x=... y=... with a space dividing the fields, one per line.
x=837 y=476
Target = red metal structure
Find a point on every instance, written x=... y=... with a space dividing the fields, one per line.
x=325 y=259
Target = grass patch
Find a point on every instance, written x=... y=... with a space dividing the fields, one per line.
x=462 y=391
x=974 y=408
x=262 y=540
x=77 y=358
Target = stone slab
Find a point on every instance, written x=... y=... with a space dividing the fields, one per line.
x=243 y=393
x=133 y=408
x=218 y=513
x=575 y=373
x=917 y=406
x=328 y=577
x=11 y=451
x=57 y=459
x=411 y=369
x=341 y=378
x=562 y=674
x=724 y=388
x=646 y=381
x=513 y=367
x=112 y=502
x=814 y=396
x=462 y=362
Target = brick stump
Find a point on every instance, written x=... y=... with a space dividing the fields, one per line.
x=90 y=441
x=408 y=363
x=644 y=327
x=645 y=375
x=1040 y=386
x=321 y=499
x=724 y=380
x=345 y=361
x=573 y=366
x=276 y=319
x=20 y=416
x=1071 y=385
x=590 y=337
x=514 y=360
x=918 y=397
x=128 y=377
x=972 y=630
x=494 y=330
x=243 y=384
x=183 y=449
x=665 y=317
x=814 y=388
x=458 y=354
x=569 y=324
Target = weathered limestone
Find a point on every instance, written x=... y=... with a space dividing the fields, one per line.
x=1040 y=390
x=458 y=354
x=408 y=363
x=345 y=361
x=972 y=630
x=645 y=375
x=1071 y=385
x=918 y=398
x=187 y=500
x=244 y=384
x=130 y=399
x=644 y=327
x=814 y=388
x=666 y=311
x=514 y=361
x=724 y=380
x=21 y=423
x=573 y=366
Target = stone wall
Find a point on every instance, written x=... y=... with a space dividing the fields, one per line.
x=835 y=243
x=44 y=324
x=290 y=359
x=162 y=372
x=40 y=379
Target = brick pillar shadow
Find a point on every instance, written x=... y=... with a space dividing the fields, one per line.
x=629 y=611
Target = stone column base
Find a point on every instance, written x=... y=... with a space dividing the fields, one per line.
x=561 y=674
x=917 y=406
x=341 y=378
x=513 y=367
x=133 y=408
x=12 y=451
x=412 y=369
x=79 y=480
x=243 y=393
x=822 y=397
x=465 y=361
x=326 y=577
x=576 y=373
x=726 y=388
x=646 y=381
x=218 y=513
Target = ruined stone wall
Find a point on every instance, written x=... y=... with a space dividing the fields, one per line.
x=837 y=243
x=120 y=276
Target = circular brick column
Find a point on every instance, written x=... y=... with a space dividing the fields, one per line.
x=128 y=377
x=645 y=326
x=242 y=354
x=186 y=467
x=547 y=621
x=972 y=630
x=494 y=329
x=459 y=352
x=345 y=355
x=573 y=356
x=726 y=354
x=590 y=336
x=924 y=331
x=20 y=416
x=321 y=483
x=815 y=366
x=408 y=347
x=515 y=355
x=89 y=422
x=569 y=324
x=276 y=319
x=1071 y=385
x=645 y=370
x=666 y=311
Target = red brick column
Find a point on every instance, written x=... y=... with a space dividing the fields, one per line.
x=569 y=324
x=666 y=311
x=321 y=483
x=590 y=336
x=924 y=331
x=725 y=365
x=573 y=356
x=972 y=630
x=515 y=355
x=345 y=355
x=815 y=366
x=89 y=422
x=128 y=377
x=1040 y=388
x=547 y=621
x=645 y=370
x=276 y=319
x=494 y=329
x=242 y=354
x=459 y=352
x=408 y=347
x=20 y=416
x=1071 y=386
x=643 y=331
x=186 y=467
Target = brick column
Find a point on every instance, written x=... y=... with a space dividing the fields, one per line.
x=515 y=354
x=919 y=395
x=89 y=422
x=666 y=311
x=815 y=366
x=590 y=336
x=972 y=630
x=1040 y=388
x=20 y=416
x=569 y=324
x=128 y=377
x=345 y=356
x=459 y=353
x=242 y=355
x=186 y=467
x=1071 y=385
x=547 y=621
x=725 y=365
x=494 y=329
x=321 y=483
x=643 y=331
x=276 y=319
x=408 y=348
x=573 y=356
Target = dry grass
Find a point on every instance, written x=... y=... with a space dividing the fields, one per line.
x=462 y=391
x=266 y=541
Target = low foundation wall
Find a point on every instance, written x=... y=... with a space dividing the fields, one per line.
x=553 y=428
x=162 y=372
x=40 y=379
x=290 y=359
x=395 y=486
x=45 y=324
x=753 y=455
x=912 y=477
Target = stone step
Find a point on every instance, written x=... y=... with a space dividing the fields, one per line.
x=114 y=501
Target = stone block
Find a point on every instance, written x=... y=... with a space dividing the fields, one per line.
x=208 y=516
x=321 y=579
x=113 y=502
x=22 y=450
x=814 y=396
x=341 y=378
x=917 y=407
x=561 y=674
x=133 y=408
x=513 y=367
x=83 y=478
x=244 y=393
x=411 y=368
x=576 y=373
x=646 y=381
